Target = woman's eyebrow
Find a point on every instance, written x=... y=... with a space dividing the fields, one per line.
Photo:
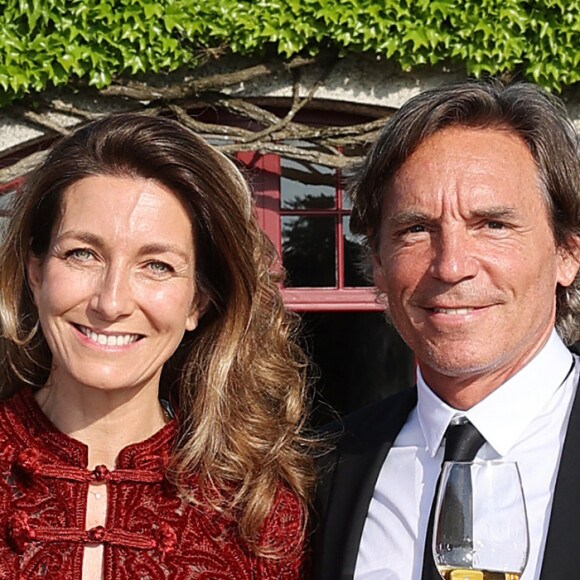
x=157 y=248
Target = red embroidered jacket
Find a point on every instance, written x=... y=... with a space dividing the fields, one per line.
x=150 y=533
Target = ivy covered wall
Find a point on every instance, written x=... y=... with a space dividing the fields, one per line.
x=50 y=43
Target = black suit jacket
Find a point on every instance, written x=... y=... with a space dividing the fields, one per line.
x=347 y=477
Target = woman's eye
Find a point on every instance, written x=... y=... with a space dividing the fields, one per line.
x=160 y=267
x=82 y=254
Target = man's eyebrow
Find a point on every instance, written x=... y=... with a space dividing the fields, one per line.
x=499 y=212
x=410 y=217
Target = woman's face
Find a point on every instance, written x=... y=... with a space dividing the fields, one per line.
x=116 y=290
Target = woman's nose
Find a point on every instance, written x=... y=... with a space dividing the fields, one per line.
x=114 y=298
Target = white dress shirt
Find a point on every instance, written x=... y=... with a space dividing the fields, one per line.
x=524 y=420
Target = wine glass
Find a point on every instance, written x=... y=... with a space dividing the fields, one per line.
x=480 y=529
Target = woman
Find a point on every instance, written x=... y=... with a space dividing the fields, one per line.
x=152 y=426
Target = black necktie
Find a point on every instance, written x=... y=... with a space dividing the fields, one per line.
x=462 y=442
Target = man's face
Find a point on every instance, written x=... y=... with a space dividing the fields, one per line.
x=467 y=258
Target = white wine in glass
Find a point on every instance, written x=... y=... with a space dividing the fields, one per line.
x=480 y=528
x=466 y=574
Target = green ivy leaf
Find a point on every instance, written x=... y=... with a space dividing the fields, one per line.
x=51 y=42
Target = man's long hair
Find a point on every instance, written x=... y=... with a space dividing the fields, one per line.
x=524 y=109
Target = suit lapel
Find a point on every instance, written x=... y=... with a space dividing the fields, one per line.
x=347 y=489
x=560 y=556
x=345 y=492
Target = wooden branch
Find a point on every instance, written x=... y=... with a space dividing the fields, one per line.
x=347 y=135
x=328 y=138
x=309 y=133
x=240 y=107
x=337 y=159
x=365 y=139
x=41 y=121
x=275 y=134
x=297 y=104
x=315 y=156
x=60 y=106
x=209 y=128
x=144 y=92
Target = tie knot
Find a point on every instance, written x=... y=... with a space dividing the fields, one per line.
x=462 y=442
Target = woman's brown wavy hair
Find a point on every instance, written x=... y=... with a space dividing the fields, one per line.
x=238 y=380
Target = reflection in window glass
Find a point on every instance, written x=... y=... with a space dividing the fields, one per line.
x=309 y=250
x=357 y=265
x=352 y=151
x=346 y=203
x=358 y=359
x=305 y=185
x=6 y=201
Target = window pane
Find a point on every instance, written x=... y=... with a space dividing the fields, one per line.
x=357 y=266
x=346 y=203
x=305 y=185
x=6 y=200
x=359 y=358
x=309 y=250
x=352 y=151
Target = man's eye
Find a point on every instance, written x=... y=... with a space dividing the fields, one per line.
x=493 y=225
x=417 y=228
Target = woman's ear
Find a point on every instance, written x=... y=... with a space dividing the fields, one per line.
x=198 y=307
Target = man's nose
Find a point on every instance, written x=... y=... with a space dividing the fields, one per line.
x=114 y=296
x=453 y=256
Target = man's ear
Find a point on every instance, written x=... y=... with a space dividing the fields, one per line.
x=568 y=260
x=198 y=307
x=34 y=274
x=379 y=275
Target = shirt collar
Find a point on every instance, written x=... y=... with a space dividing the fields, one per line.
x=494 y=415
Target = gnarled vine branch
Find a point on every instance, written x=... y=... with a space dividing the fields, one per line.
x=263 y=130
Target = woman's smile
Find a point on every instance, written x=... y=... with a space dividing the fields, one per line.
x=108 y=338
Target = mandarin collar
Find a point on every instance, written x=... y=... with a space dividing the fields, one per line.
x=152 y=453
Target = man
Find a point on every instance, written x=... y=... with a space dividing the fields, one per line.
x=469 y=201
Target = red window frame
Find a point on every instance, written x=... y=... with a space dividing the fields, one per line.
x=265 y=172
